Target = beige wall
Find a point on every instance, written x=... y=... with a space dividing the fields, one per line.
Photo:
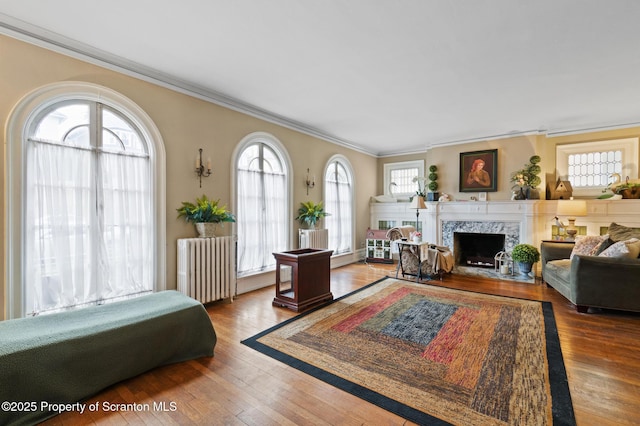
x=513 y=154
x=186 y=124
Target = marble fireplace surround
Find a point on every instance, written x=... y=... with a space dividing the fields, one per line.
x=516 y=220
x=510 y=230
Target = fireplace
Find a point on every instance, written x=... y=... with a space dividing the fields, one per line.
x=510 y=230
x=477 y=249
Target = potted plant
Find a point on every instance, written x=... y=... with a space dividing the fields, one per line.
x=526 y=180
x=525 y=255
x=433 y=194
x=310 y=213
x=628 y=189
x=205 y=214
x=422 y=187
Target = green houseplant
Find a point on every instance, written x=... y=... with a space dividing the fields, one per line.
x=526 y=255
x=628 y=189
x=433 y=194
x=205 y=214
x=310 y=213
x=526 y=180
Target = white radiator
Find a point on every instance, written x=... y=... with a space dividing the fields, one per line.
x=207 y=268
x=313 y=238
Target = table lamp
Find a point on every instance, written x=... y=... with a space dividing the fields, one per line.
x=417 y=203
x=572 y=208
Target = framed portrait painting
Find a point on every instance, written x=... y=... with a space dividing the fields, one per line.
x=479 y=171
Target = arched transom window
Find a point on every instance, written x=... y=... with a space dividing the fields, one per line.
x=262 y=203
x=339 y=205
x=88 y=231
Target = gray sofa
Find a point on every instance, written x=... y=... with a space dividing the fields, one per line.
x=592 y=281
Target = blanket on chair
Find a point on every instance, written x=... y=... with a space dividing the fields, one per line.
x=398 y=232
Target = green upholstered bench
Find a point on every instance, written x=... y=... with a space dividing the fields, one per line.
x=69 y=356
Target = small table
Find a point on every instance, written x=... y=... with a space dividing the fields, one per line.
x=303 y=278
x=416 y=249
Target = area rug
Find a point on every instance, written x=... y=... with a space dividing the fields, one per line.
x=433 y=355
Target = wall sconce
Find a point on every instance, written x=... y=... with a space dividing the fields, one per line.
x=200 y=169
x=310 y=183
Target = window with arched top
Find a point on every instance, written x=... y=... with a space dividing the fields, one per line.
x=89 y=183
x=338 y=200
x=263 y=218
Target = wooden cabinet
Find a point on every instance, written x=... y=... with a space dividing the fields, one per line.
x=303 y=278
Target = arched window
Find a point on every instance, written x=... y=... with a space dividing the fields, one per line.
x=90 y=232
x=338 y=199
x=262 y=200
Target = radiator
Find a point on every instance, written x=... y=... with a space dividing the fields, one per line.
x=207 y=268
x=313 y=238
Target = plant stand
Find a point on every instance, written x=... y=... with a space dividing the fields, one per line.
x=302 y=278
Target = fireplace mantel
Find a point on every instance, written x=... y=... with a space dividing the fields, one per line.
x=532 y=218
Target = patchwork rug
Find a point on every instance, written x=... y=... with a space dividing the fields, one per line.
x=433 y=355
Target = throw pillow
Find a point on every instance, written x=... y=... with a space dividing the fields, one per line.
x=588 y=245
x=605 y=245
x=622 y=233
x=628 y=249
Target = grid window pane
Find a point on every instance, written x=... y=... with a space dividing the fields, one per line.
x=403 y=180
x=591 y=169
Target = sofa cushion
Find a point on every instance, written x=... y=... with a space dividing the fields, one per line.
x=559 y=269
x=588 y=244
x=627 y=249
x=622 y=233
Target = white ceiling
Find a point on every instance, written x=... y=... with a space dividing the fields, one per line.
x=385 y=76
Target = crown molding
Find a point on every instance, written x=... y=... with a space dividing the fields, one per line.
x=38 y=36
x=602 y=128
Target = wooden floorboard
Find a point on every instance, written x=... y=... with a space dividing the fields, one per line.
x=240 y=386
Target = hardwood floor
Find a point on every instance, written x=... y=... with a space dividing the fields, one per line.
x=240 y=386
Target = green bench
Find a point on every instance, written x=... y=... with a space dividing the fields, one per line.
x=69 y=356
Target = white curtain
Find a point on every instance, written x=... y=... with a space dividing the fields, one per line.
x=338 y=203
x=261 y=219
x=88 y=227
x=59 y=249
x=125 y=224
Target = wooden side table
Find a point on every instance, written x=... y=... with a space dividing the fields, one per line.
x=303 y=278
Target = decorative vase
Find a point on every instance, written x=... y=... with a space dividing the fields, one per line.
x=416 y=240
x=524 y=267
x=520 y=194
x=433 y=196
x=206 y=229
